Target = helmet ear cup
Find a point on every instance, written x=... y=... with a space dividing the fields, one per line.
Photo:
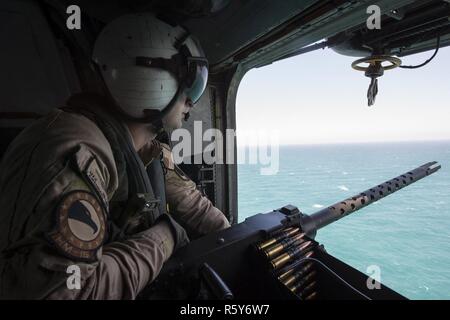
x=141 y=92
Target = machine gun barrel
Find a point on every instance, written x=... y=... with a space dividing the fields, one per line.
x=341 y=209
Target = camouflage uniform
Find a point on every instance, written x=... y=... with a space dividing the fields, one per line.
x=46 y=173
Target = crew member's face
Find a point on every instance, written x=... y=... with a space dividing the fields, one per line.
x=174 y=119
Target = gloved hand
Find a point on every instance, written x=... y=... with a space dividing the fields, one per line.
x=179 y=234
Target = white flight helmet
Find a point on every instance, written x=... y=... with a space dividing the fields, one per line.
x=146 y=64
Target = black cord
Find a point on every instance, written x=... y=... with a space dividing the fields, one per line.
x=337 y=276
x=432 y=57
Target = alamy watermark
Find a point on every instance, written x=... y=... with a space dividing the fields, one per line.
x=74 y=279
x=73 y=21
x=214 y=147
x=374 y=279
x=374 y=20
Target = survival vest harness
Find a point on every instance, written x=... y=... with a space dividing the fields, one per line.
x=140 y=198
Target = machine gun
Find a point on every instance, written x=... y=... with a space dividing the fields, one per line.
x=274 y=256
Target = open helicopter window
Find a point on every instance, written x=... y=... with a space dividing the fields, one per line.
x=305 y=121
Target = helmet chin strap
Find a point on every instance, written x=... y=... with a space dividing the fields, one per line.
x=156 y=119
x=187 y=114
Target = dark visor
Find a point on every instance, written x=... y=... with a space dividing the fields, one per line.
x=196 y=79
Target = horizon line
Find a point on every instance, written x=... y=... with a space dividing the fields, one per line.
x=352 y=142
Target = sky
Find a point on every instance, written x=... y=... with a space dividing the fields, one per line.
x=317 y=98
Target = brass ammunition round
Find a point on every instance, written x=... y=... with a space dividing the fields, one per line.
x=292 y=232
x=303 y=246
x=289 y=280
x=296 y=286
x=286 y=274
x=288 y=270
x=275 y=249
x=281 y=260
x=284 y=234
x=297 y=237
x=297 y=274
x=306 y=290
x=311 y=296
x=292 y=253
x=309 y=254
x=267 y=243
x=309 y=287
x=309 y=276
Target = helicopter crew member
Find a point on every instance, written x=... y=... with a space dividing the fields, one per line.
x=86 y=187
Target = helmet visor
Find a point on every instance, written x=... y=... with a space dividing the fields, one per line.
x=196 y=78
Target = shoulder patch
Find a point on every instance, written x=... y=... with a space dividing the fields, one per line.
x=88 y=167
x=80 y=226
x=92 y=173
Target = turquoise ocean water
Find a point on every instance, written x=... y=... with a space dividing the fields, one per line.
x=406 y=234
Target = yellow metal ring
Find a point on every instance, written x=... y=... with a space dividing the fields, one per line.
x=395 y=62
